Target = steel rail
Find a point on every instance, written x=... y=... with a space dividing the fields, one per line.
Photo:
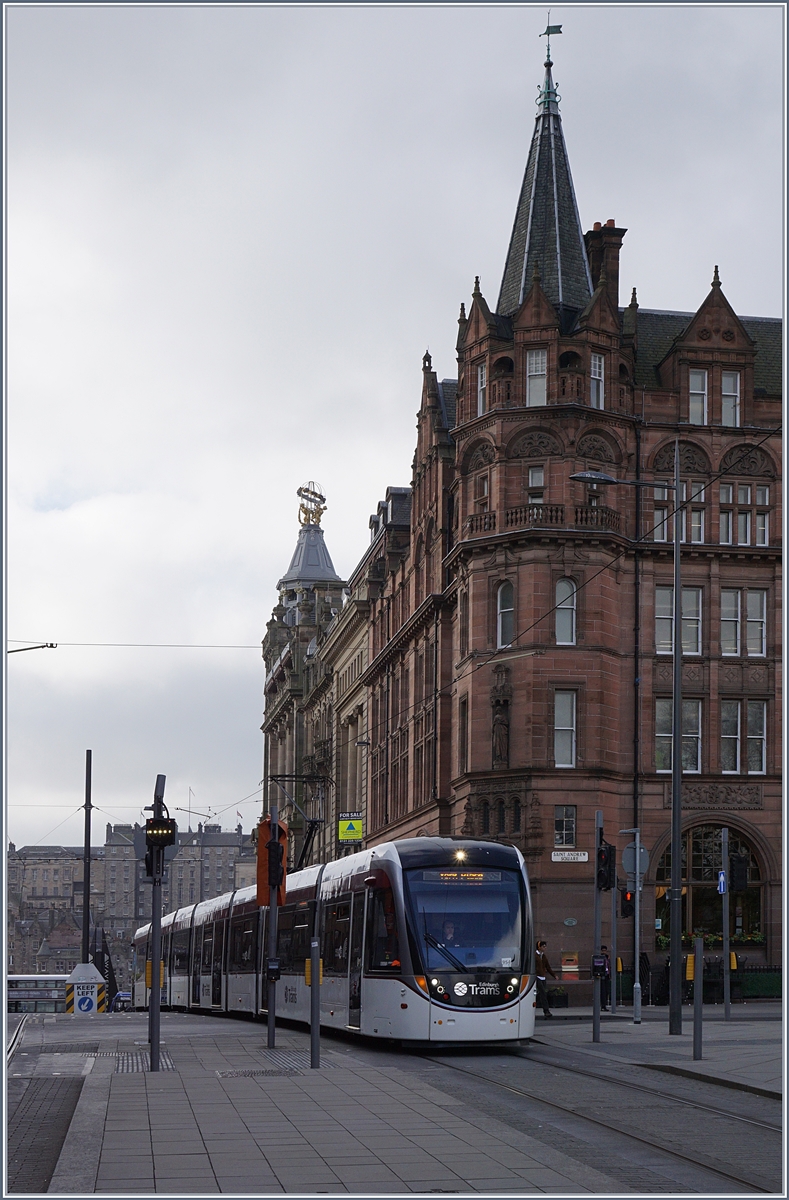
x=696 y=1162
x=15 y=1039
x=639 y=1087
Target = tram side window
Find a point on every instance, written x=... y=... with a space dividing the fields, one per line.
x=208 y=947
x=303 y=920
x=336 y=928
x=285 y=938
x=383 y=946
x=242 y=945
x=180 y=963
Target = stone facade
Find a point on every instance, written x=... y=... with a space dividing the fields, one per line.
x=518 y=653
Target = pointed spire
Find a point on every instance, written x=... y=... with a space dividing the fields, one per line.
x=716 y=280
x=547 y=226
x=427 y=362
x=462 y=316
x=476 y=291
x=634 y=299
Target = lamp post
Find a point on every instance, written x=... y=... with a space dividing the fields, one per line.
x=675 y=892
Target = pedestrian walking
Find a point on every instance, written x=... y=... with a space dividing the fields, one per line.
x=605 y=983
x=543 y=968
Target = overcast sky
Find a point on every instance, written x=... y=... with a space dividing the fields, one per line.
x=232 y=234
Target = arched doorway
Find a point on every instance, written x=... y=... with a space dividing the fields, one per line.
x=702 y=906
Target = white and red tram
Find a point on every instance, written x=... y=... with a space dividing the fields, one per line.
x=425 y=939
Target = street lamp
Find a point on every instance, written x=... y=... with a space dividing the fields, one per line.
x=675 y=891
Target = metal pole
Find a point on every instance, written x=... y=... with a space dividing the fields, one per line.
x=598 y=831
x=726 y=950
x=272 y=942
x=698 y=996
x=315 y=1003
x=675 y=903
x=612 y=949
x=86 y=860
x=157 y=857
x=637 y=942
x=156 y=954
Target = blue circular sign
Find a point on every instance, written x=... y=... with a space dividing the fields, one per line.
x=85 y=1003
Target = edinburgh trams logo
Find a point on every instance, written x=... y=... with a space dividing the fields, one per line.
x=476 y=989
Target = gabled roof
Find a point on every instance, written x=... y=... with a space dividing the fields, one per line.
x=658 y=329
x=547 y=231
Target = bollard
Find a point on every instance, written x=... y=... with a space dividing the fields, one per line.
x=698 y=995
x=315 y=1004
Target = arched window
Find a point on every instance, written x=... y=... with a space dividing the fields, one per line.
x=702 y=909
x=505 y=615
x=501 y=824
x=485 y=816
x=565 y=612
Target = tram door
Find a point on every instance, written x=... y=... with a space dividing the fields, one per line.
x=355 y=972
x=216 y=970
x=197 y=956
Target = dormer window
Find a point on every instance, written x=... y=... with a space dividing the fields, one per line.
x=730 y=394
x=596 y=381
x=698 y=398
x=482 y=388
x=536 y=368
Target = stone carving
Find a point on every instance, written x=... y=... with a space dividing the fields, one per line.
x=483 y=456
x=664 y=672
x=692 y=673
x=717 y=795
x=728 y=335
x=591 y=446
x=536 y=444
x=731 y=676
x=501 y=737
x=692 y=459
x=747 y=460
x=757 y=676
x=500 y=696
x=704 y=335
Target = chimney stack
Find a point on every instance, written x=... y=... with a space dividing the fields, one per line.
x=603 y=243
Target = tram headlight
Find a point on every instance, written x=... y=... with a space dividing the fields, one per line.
x=514 y=982
x=434 y=982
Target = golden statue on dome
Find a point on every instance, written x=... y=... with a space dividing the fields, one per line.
x=313 y=503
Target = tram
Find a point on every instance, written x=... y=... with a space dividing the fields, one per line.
x=423 y=940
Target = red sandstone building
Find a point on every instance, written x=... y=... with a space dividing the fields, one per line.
x=517 y=669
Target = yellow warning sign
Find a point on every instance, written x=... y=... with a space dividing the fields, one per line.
x=349 y=827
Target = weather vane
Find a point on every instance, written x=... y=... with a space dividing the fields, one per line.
x=549 y=30
x=313 y=503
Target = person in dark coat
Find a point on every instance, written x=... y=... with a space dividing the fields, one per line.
x=543 y=968
x=605 y=984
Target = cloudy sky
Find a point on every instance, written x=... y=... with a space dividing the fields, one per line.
x=232 y=233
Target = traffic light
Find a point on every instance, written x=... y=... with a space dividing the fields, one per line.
x=149 y=862
x=160 y=831
x=606 y=867
x=272 y=862
x=628 y=902
x=738 y=873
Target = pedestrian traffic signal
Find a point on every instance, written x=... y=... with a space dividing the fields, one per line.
x=738 y=873
x=628 y=903
x=606 y=867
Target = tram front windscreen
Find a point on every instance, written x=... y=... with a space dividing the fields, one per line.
x=467 y=920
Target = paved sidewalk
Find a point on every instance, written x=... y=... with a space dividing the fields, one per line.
x=745 y=1052
x=233 y=1117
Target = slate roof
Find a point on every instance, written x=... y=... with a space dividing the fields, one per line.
x=547 y=230
x=447 y=394
x=657 y=330
x=311 y=562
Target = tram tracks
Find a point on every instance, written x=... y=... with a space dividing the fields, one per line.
x=697 y=1160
